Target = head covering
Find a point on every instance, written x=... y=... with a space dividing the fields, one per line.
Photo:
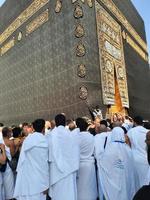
x=127 y=126
x=117 y=135
x=116 y=169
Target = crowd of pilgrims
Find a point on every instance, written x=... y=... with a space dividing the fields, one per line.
x=76 y=160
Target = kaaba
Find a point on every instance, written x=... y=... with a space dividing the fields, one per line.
x=70 y=56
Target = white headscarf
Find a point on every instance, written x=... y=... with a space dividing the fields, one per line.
x=116 y=168
x=118 y=135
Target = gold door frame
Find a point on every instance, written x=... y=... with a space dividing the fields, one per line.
x=111 y=56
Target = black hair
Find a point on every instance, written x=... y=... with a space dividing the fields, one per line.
x=39 y=125
x=143 y=193
x=1 y=124
x=16 y=132
x=124 y=129
x=111 y=126
x=104 y=122
x=92 y=131
x=138 y=120
x=24 y=124
x=60 y=119
x=147 y=125
x=5 y=131
x=81 y=124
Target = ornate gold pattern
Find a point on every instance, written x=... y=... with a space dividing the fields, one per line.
x=118 y=14
x=38 y=21
x=90 y=3
x=73 y=1
x=81 y=71
x=79 y=31
x=83 y=92
x=58 y=6
x=22 y=18
x=112 y=50
x=80 y=50
x=78 y=12
x=136 y=47
x=7 y=46
x=111 y=57
x=19 y=37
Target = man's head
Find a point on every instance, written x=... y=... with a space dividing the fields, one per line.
x=30 y=129
x=97 y=128
x=81 y=124
x=24 y=129
x=70 y=124
x=39 y=125
x=101 y=127
x=116 y=124
x=138 y=121
x=6 y=132
x=60 y=120
x=16 y=132
x=24 y=125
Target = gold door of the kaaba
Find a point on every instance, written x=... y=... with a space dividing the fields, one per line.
x=112 y=64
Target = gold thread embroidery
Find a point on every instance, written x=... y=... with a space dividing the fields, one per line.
x=37 y=22
x=58 y=6
x=118 y=14
x=23 y=17
x=136 y=47
x=7 y=46
x=111 y=57
x=79 y=31
x=90 y=3
x=78 y=12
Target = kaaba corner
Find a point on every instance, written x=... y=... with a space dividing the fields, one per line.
x=71 y=56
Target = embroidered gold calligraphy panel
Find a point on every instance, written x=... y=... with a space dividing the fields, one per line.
x=112 y=64
x=22 y=18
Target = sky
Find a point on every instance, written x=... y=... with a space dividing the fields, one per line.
x=144 y=10
x=143 y=7
x=1 y=2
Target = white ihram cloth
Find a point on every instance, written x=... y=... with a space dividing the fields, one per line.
x=100 y=140
x=64 y=163
x=7 y=177
x=1 y=136
x=116 y=169
x=137 y=136
x=86 y=179
x=32 y=170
